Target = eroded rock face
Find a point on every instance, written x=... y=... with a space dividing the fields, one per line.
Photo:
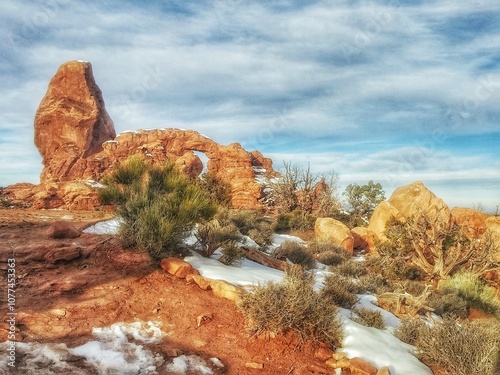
x=473 y=220
x=407 y=201
x=71 y=121
x=416 y=199
x=77 y=140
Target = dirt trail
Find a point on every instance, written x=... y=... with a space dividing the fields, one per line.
x=62 y=302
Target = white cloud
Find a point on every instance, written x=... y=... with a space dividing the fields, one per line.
x=268 y=74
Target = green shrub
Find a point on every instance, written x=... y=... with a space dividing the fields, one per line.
x=292 y=305
x=218 y=190
x=250 y=223
x=212 y=235
x=263 y=234
x=295 y=220
x=130 y=171
x=245 y=220
x=368 y=317
x=232 y=253
x=448 y=304
x=158 y=205
x=340 y=290
x=295 y=253
x=477 y=294
x=461 y=347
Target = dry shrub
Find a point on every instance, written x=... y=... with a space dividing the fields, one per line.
x=328 y=254
x=461 y=347
x=232 y=253
x=351 y=268
x=292 y=305
x=368 y=317
x=375 y=284
x=295 y=253
x=340 y=290
x=448 y=304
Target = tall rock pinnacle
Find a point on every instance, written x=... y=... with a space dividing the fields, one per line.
x=71 y=121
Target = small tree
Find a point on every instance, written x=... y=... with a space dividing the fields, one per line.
x=362 y=201
x=218 y=190
x=299 y=189
x=158 y=205
x=439 y=250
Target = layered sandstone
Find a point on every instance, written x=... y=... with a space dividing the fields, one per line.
x=77 y=141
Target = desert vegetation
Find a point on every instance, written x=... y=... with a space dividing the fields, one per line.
x=422 y=268
x=158 y=206
x=292 y=305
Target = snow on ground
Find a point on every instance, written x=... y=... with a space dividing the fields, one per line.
x=381 y=348
x=247 y=274
x=378 y=346
x=116 y=350
x=110 y=227
x=113 y=353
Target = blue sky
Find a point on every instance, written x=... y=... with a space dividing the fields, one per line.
x=392 y=91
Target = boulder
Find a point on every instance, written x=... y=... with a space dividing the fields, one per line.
x=474 y=221
x=381 y=215
x=201 y=281
x=62 y=229
x=408 y=201
x=178 y=267
x=66 y=253
x=333 y=231
x=384 y=371
x=323 y=354
x=415 y=199
x=364 y=239
x=493 y=227
x=359 y=366
x=223 y=289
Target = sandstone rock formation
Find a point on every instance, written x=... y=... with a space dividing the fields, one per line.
x=364 y=239
x=411 y=200
x=335 y=232
x=77 y=141
x=473 y=220
x=71 y=122
x=62 y=229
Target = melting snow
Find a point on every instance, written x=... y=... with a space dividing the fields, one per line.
x=109 y=227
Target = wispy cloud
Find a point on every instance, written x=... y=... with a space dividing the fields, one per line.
x=361 y=81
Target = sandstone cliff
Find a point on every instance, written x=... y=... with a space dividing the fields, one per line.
x=76 y=139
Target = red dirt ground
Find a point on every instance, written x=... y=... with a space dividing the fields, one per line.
x=62 y=302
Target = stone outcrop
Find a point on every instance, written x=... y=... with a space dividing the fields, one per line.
x=335 y=232
x=364 y=239
x=178 y=267
x=76 y=139
x=408 y=201
x=62 y=229
x=71 y=122
x=473 y=220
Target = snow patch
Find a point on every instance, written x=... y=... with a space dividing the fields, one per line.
x=110 y=227
x=94 y=184
x=183 y=364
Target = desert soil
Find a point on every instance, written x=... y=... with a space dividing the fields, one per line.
x=60 y=302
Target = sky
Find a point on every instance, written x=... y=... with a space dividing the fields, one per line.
x=393 y=91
